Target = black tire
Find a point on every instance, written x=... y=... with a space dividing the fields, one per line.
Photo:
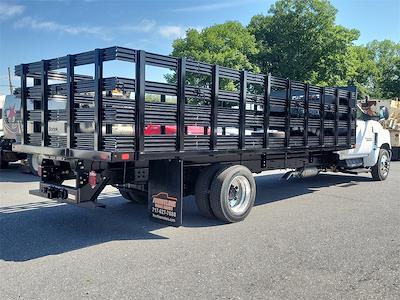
x=202 y=190
x=33 y=164
x=3 y=164
x=223 y=185
x=380 y=170
x=134 y=195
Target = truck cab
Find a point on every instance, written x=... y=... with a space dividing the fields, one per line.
x=372 y=149
x=10 y=128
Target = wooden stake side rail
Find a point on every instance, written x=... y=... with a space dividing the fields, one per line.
x=214 y=109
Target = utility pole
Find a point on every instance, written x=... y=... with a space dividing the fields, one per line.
x=9 y=81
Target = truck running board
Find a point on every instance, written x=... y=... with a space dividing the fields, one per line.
x=357 y=171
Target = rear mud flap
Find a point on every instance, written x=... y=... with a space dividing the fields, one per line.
x=166 y=191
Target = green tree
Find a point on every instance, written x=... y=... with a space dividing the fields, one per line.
x=300 y=40
x=229 y=44
x=386 y=55
x=362 y=71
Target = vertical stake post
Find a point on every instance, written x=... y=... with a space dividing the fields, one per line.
x=267 y=108
x=288 y=112
x=306 y=108
x=98 y=100
x=180 y=103
x=140 y=101
x=349 y=118
x=24 y=108
x=70 y=109
x=214 y=107
x=44 y=104
x=322 y=124
x=337 y=117
x=242 y=110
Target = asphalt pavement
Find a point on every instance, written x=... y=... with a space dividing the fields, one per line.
x=329 y=237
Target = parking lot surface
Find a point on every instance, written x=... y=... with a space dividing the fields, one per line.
x=333 y=236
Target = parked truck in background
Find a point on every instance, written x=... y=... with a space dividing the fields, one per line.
x=267 y=123
x=9 y=129
x=387 y=112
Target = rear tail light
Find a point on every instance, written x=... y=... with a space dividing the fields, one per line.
x=125 y=156
x=92 y=179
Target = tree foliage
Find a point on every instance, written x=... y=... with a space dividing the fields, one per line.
x=386 y=56
x=229 y=44
x=299 y=39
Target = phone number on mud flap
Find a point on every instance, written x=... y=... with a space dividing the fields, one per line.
x=164 y=212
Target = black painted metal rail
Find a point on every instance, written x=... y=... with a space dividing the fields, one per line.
x=214 y=109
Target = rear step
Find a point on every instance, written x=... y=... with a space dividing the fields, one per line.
x=84 y=196
x=357 y=171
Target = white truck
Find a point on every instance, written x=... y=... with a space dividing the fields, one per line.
x=372 y=150
x=10 y=130
x=267 y=123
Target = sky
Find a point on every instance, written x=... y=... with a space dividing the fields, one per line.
x=43 y=29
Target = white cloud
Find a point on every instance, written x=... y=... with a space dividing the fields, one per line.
x=174 y=31
x=8 y=11
x=107 y=33
x=51 y=26
x=212 y=6
x=170 y=31
x=143 y=26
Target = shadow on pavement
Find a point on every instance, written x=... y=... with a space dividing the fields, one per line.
x=47 y=228
x=38 y=229
x=272 y=188
x=15 y=173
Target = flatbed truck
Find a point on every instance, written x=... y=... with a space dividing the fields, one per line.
x=207 y=141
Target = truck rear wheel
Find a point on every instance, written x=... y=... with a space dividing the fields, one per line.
x=3 y=163
x=380 y=170
x=33 y=164
x=202 y=190
x=232 y=194
x=134 y=195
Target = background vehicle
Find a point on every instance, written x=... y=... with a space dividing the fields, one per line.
x=387 y=112
x=9 y=129
x=10 y=132
x=267 y=123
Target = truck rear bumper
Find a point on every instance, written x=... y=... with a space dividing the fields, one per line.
x=85 y=195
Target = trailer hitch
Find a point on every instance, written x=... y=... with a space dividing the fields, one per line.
x=53 y=192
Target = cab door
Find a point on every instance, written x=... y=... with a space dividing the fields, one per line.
x=365 y=138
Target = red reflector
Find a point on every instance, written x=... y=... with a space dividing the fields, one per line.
x=92 y=180
x=125 y=156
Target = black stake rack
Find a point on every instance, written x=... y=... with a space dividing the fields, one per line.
x=264 y=114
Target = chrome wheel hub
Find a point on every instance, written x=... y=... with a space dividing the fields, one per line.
x=384 y=165
x=239 y=195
